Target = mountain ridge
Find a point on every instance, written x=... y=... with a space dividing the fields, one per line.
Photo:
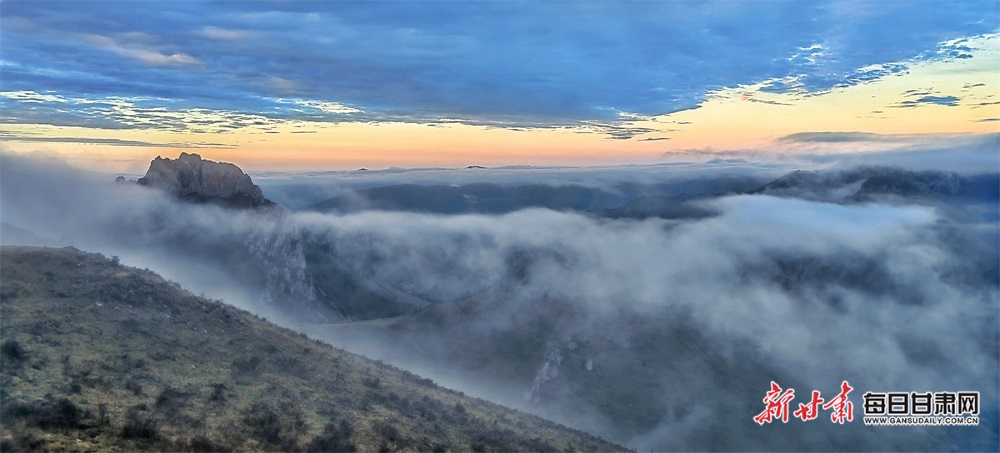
x=99 y=356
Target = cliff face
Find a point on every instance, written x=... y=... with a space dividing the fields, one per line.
x=189 y=177
x=293 y=272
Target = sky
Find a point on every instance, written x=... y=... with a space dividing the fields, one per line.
x=276 y=85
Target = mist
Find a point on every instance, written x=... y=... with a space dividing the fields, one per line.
x=658 y=333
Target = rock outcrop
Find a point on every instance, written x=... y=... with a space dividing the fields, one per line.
x=191 y=178
x=302 y=276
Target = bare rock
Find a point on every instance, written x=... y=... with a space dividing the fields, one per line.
x=191 y=178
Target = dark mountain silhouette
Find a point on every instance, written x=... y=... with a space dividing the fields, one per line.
x=471 y=198
x=878 y=183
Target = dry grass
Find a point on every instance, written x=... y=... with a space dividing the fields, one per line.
x=97 y=356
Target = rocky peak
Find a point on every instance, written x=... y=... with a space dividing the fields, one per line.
x=191 y=178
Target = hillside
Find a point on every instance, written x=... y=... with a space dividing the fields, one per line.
x=99 y=356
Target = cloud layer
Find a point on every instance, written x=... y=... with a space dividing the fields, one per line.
x=662 y=334
x=498 y=63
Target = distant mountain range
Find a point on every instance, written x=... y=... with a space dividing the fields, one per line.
x=615 y=369
x=306 y=276
x=865 y=184
x=860 y=184
x=472 y=198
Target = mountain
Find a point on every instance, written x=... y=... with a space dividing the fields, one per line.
x=864 y=184
x=13 y=235
x=664 y=207
x=297 y=275
x=470 y=198
x=928 y=184
x=99 y=356
x=658 y=375
x=189 y=177
x=663 y=335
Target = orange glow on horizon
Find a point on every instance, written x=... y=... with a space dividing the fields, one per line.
x=738 y=118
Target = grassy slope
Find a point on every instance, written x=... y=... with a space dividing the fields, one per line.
x=98 y=356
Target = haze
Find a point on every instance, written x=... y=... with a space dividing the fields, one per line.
x=628 y=217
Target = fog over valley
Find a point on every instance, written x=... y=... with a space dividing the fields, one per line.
x=652 y=305
x=493 y=226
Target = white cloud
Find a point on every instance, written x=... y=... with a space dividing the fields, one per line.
x=145 y=56
x=33 y=97
x=282 y=83
x=328 y=107
x=223 y=34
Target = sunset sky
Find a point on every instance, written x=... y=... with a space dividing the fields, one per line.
x=275 y=85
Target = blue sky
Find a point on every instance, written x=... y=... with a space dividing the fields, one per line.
x=131 y=65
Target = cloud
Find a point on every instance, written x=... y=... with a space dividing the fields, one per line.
x=947 y=101
x=109 y=141
x=687 y=176
x=961 y=153
x=615 y=131
x=328 y=107
x=684 y=322
x=837 y=137
x=984 y=104
x=155 y=58
x=146 y=56
x=132 y=113
x=781 y=284
x=283 y=85
x=749 y=98
x=510 y=64
x=32 y=97
x=223 y=34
